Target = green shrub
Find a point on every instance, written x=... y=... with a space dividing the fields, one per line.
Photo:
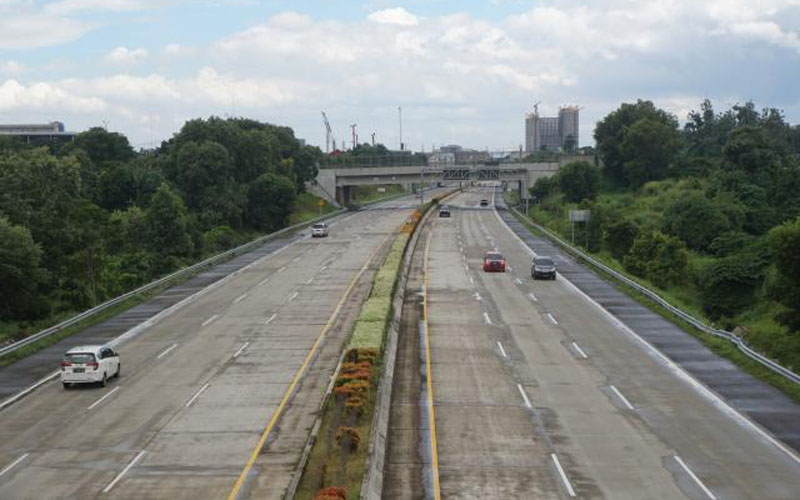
x=375 y=309
x=367 y=334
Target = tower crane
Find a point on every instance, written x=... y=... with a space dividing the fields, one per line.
x=329 y=137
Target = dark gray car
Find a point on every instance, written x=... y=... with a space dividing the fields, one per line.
x=543 y=267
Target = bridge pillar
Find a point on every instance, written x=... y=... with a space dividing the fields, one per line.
x=344 y=195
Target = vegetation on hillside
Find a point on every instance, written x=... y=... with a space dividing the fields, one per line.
x=709 y=213
x=88 y=220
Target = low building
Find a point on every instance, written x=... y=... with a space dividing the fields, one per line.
x=37 y=133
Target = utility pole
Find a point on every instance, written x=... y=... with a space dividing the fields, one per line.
x=373 y=139
x=353 y=131
x=400 y=119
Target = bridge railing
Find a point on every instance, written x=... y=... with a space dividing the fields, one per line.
x=396 y=160
x=475 y=158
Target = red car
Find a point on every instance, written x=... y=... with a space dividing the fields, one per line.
x=494 y=262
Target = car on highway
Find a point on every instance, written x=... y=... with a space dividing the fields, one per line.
x=89 y=364
x=494 y=262
x=543 y=267
x=444 y=211
x=319 y=230
x=484 y=202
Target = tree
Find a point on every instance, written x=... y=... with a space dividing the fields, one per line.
x=610 y=133
x=620 y=236
x=21 y=274
x=270 y=199
x=648 y=148
x=784 y=282
x=658 y=257
x=167 y=224
x=695 y=219
x=727 y=285
x=103 y=146
x=542 y=188
x=578 y=180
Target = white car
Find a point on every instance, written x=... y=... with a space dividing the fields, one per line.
x=89 y=364
x=319 y=230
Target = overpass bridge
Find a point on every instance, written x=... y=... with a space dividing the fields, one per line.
x=336 y=182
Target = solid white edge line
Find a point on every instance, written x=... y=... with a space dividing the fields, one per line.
x=623 y=398
x=533 y=297
x=696 y=479
x=25 y=392
x=293 y=296
x=13 y=464
x=675 y=368
x=241 y=349
x=269 y=320
x=524 y=396
x=196 y=395
x=564 y=478
x=502 y=351
x=166 y=351
x=580 y=351
x=240 y=298
x=112 y=391
x=487 y=318
x=210 y=320
x=552 y=318
x=124 y=471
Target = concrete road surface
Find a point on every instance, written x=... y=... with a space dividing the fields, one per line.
x=198 y=388
x=539 y=393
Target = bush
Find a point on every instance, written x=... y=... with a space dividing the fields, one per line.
x=696 y=220
x=331 y=493
x=578 y=180
x=375 y=309
x=660 y=258
x=619 y=237
x=348 y=436
x=368 y=334
x=727 y=285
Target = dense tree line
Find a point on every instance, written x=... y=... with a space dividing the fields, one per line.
x=87 y=220
x=722 y=200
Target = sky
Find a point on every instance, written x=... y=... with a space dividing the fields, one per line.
x=463 y=72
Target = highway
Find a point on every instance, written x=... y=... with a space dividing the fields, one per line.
x=204 y=386
x=539 y=393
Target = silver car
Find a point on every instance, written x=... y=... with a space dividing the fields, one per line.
x=319 y=230
x=543 y=267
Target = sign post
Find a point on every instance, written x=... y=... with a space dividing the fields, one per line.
x=580 y=216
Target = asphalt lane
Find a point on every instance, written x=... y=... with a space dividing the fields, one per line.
x=198 y=387
x=540 y=393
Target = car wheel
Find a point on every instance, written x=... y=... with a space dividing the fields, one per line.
x=119 y=370
x=104 y=382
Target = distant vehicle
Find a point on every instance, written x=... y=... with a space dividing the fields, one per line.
x=543 y=267
x=89 y=364
x=494 y=262
x=484 y=202
x=444 y=211
x=319 y=230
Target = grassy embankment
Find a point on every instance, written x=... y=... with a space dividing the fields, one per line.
x=306 y=208
x=368 y=194
x=763 y=333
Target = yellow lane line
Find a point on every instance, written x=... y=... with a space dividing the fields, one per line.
x=431 y=412
x=275 y=416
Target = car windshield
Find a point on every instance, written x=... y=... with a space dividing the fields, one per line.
x=494 y=256
x=319 y=226
x=79 y=358
x=544 y=262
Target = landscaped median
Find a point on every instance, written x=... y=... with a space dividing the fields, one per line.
x=338 y=459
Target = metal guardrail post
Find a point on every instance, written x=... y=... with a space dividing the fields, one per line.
x=740 y=344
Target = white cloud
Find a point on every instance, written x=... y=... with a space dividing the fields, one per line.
x=39 y=96
x=397 y=15
x=12 y=68
x=172 y=49
x=124 y=56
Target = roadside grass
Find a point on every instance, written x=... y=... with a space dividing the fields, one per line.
x=369 y=194
x=306 y=207
x=761 y=327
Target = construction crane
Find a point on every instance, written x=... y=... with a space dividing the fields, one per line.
x=536 y=108
x=329 y=137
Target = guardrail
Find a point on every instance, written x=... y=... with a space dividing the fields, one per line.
x=234 y=252
x=740 y=344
